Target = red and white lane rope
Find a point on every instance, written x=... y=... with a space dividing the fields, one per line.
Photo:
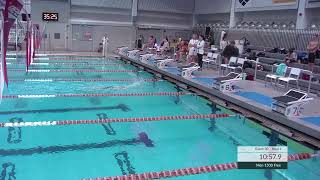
x=71 y=70
x=72 y=59
x=96 y=95
x=113 y=120
x=84 y=80
x=69 y=64
x=192 y=171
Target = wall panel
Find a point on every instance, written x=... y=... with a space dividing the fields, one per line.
x=177 y=6
x=213 y=18
x=168 y=20
x=212 y=7
x=118 y=36
x=121 y=4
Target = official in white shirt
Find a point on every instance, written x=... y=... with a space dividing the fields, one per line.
x=193 y=48
x=223 y=41
x=200 y=50
x=105 y=42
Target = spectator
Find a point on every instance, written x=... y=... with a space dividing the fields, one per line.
x=139 y=42
x=223 y=41
x=291 y=57
x=230 y=51
x=211 y=39
x=312 y=48
x=252 y=55
x=200 y=50
x=183 y=50
x=151 y=43
x=193 y=48
x=165 y=46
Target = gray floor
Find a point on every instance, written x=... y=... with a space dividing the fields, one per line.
x=311 y=109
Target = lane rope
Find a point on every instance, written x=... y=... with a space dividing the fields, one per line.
x=194 y=170
x=114 y=120
x=97 y=95
x=71 y=70
x=70 y=64
x=85 y=80
x=73 y=59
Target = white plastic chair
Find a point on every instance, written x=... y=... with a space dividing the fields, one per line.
x=233 y=60
x=211 y=58
x=274 y=77
x=293 y=76
x=239 y=64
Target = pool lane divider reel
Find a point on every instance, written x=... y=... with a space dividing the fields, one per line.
x=113 y=120
x=194 y=170
x=96 y=95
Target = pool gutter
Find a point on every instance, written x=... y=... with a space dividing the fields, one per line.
x=267 y=118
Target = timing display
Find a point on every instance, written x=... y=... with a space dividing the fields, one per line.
x=50 y=16
x=262 y=157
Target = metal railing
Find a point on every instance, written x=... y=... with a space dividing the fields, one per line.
x=267 y=38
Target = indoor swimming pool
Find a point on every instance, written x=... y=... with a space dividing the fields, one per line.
x=111 y=149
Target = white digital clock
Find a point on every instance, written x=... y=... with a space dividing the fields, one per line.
x=50 y=16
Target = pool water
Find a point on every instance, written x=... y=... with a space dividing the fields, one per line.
x=102 y=150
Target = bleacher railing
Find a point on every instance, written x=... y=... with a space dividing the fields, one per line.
x=267 y=38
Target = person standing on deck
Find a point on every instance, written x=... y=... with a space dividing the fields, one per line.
x=105 y=42
x=193 y=48
x=200 y=50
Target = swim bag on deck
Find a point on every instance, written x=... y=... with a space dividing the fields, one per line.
x=250 y=77
x=281 y=70
x=305 y=77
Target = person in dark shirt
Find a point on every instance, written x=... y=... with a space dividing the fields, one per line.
x=230 y=51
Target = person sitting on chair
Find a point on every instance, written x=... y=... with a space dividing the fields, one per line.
x=165 y=46
x=230 y=51
x=151 y=43
x=291 y=57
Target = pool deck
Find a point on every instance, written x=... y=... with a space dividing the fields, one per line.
x=295 y=128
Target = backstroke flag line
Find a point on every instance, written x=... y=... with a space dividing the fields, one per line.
x=2 y=7
x=10 y=14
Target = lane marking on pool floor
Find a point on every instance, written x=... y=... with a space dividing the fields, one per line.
x=97 y=95
x=85 y=80
x=114 y=120
x=193 y=170
x=71 y=70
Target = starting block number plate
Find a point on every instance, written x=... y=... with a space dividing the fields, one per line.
x=262 y=157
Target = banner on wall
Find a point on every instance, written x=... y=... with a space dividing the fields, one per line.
x=10 y=14
x=29 y=44
x=32 y=44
